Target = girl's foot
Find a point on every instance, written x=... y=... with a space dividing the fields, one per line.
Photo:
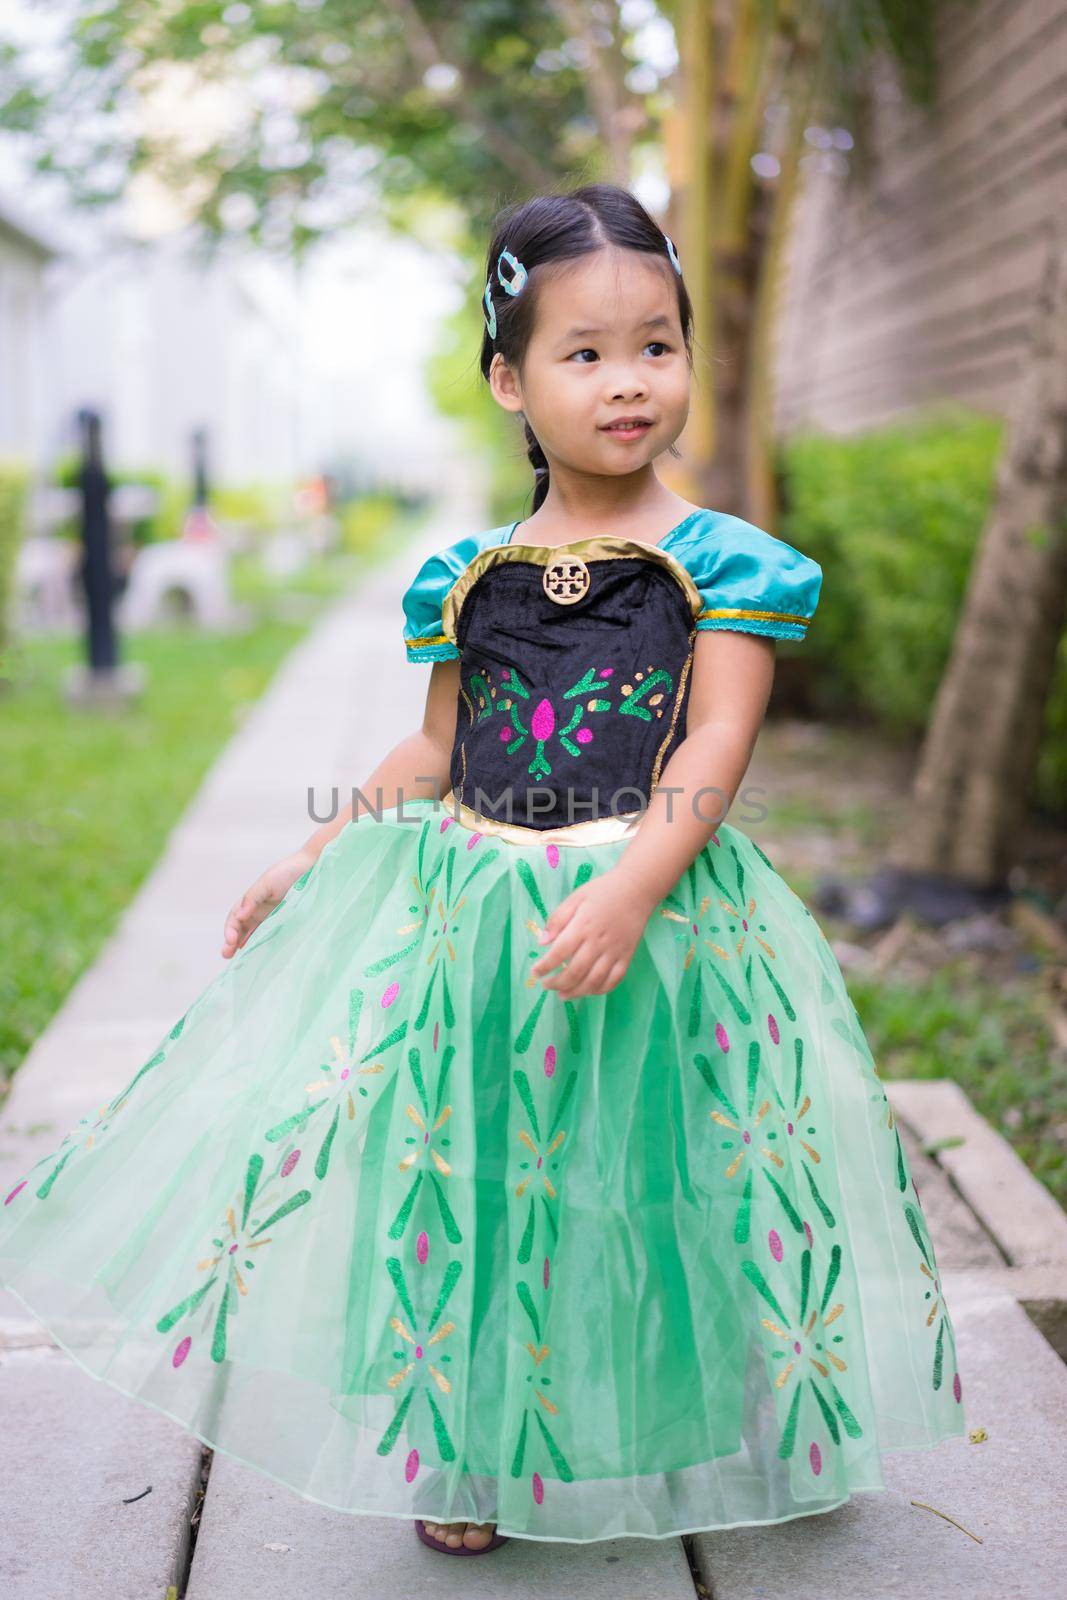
x=475 y=1535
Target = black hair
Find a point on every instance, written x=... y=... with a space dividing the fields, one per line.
x=560 y=227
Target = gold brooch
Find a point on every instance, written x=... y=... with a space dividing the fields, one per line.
x=566 y=579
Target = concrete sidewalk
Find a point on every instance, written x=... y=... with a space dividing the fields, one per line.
x=77 y=1451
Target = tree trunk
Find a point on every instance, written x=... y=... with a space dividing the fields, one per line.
x=735 y=243
x=731 y=228
x=688 y=146
x=979 y=756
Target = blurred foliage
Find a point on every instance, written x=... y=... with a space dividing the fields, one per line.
x=329 y=106
x=493 y=436
x=301 y=111
x=894 y=516
x=14 y=483
x=260 y=507
x=367 y=521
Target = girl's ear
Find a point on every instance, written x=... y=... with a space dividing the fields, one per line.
x=503 y=384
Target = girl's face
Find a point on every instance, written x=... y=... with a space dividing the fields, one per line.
x=607 y=345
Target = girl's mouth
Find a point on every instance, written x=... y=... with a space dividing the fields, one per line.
x=631 y=428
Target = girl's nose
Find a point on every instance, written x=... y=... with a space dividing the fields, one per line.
x=629 y=389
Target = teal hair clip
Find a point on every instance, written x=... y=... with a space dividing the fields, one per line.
x=513 y=285
x=517 y=282
x=672 y=252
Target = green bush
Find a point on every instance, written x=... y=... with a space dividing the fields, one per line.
x=366 y=520
x=263 y=507
x=14 y=482
x=894 y=515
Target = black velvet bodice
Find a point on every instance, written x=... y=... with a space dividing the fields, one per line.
x=569 y=707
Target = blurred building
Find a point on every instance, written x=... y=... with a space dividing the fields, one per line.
x=921 y=282
x=25 y=254
x=289 y=376
x=162 y=346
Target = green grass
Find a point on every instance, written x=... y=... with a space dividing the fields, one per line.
x=995 y=1043
x=88 y=798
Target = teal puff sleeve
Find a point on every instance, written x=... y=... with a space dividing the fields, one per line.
x=424 y=637
x=752 y=582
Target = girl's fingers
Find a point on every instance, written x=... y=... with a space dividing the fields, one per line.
x=553 y=963
x=561 y=948
x=592 y=982
x=599 y=975
x=606 y=972
x=575 y=972
x=562 y=917
x=238 y=925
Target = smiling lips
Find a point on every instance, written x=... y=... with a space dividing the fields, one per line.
x=628 y=427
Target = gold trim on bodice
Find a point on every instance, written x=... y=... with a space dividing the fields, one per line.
x=602 y=547
x=593 y=830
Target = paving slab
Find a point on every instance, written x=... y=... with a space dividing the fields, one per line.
x=74 y=1451
x=259 y=1541
x=1007 y=1489
x=959 y=1238
x=1016 y=1209
x=1021 y=1240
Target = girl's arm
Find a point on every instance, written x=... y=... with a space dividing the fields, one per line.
x=418 y=767
x=732 y=677
x=597 y=927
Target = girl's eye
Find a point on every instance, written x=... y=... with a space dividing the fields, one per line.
x=658 y=343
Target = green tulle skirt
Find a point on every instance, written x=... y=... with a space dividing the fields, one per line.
x=387 y=1220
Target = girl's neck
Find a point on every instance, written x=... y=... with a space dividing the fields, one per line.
x=574 y=506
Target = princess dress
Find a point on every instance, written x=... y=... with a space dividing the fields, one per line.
x=389 y=1221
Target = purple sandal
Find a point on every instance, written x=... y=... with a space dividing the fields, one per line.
x=458 y=1550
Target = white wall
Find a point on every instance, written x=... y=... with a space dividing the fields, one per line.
x=22 y=362
x=161 y=346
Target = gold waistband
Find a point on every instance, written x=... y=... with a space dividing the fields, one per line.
x=594 y=830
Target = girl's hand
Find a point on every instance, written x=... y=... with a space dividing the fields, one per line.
x=595 y=931
x=257 y=903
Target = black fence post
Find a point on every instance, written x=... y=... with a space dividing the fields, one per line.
x=200 y=474
x=97 y=575
x=103 y=680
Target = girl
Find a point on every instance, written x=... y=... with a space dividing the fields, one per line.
x=526 y=1170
